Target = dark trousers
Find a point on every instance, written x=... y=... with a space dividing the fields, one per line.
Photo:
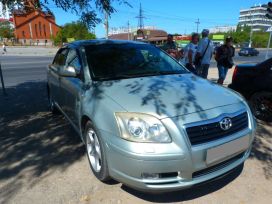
x=203 y=70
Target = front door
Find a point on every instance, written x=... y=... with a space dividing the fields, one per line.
x=71 y=88
x=53 y=75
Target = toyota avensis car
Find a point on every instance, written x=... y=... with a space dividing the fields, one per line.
x=146 y=121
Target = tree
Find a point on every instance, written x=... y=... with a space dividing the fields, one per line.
x=86 y=9
x=6 y=30
x=76 y=30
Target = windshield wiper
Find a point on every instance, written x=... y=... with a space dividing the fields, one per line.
x=170 y=72
x=136 y=75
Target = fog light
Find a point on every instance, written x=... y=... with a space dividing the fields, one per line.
x=150 y=176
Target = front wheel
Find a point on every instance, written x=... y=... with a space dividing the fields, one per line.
x=96 y=153
x=261 y=105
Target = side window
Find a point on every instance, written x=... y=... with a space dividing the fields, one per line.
x=73 y=60
x=60 y=58
x=76 y=64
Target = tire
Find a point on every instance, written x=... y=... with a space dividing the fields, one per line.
x=51 y=103
x=261 y=105
x=94 y=145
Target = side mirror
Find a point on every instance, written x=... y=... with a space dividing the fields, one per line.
x=68 y=72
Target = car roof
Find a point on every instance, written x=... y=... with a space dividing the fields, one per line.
x=79 y=43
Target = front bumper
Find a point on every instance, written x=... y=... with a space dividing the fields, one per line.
x=128 y=168
x=177 y=164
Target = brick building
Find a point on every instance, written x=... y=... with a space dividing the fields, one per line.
x=34 y=26
x=153 y=36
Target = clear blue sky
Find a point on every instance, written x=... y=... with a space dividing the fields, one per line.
x=174 y=16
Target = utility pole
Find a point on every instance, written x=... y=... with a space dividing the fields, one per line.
x=197 y=25
x=106 y=24
x=251 y=30
x=128 y=31
x=268 y=46
x=140 y=18
x=269 y=16
x=2 y=81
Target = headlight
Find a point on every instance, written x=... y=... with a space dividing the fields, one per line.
x=138 y=127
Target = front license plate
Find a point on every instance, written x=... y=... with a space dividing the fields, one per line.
x=217 y=153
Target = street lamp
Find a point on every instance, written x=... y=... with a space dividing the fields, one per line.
x=269 y=16
x=251 y=31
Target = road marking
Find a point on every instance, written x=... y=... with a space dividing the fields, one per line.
x=25 y=68
x=19 y=63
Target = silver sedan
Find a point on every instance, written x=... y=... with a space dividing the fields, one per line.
x=146 y=120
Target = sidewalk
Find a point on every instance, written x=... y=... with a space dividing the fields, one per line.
x=31 y=51
x=213 y=75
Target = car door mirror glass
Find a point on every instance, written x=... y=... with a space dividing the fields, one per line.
x=69 y=71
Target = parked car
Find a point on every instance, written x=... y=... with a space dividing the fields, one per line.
x=146 y=121
x=248 y=52
x=254 y=82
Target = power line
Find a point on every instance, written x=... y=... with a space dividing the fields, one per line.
x=176 y=18
x=106 y=24
x=128 y=31
x=187 y=18
x=140 y=18
x=197 y=25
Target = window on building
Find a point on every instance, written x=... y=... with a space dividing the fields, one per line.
x=36 y=30
x=40 y=28
x=23 y=34
x=44 y=30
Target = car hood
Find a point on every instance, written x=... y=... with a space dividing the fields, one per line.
x=168 y=95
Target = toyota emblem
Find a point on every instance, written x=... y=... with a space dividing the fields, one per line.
x=225 y=124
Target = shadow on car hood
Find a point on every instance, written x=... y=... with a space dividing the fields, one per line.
x=168 y=95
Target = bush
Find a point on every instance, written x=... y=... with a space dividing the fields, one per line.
x=75 y=30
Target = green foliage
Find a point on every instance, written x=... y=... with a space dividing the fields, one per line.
x=260 y=39
x=76 y=30
x=58 y=39
x=6 y=31
x=86 y=9
x=242 y=35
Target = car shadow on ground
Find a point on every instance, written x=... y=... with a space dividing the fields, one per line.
x=262 y=147
x=33 y=142
x=188 y=194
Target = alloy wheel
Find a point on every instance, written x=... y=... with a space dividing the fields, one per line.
x=94 y=150
x=262 y=107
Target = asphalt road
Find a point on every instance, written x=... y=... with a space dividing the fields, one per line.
x=19 y=69
x=42 y=160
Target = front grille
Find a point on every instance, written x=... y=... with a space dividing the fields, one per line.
x=212 y=131
x=217 y=166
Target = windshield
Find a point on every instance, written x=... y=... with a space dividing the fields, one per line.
x=129 y=60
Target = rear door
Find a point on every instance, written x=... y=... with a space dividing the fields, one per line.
x=71 y=87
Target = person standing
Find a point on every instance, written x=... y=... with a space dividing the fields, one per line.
x=224 y=58
x=4 y=48
x=204 y=54
x=170 y=46
x=190 y=53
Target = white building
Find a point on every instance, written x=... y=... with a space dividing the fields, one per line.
x=255 y=17
x=222 y=29
x=119 y=30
